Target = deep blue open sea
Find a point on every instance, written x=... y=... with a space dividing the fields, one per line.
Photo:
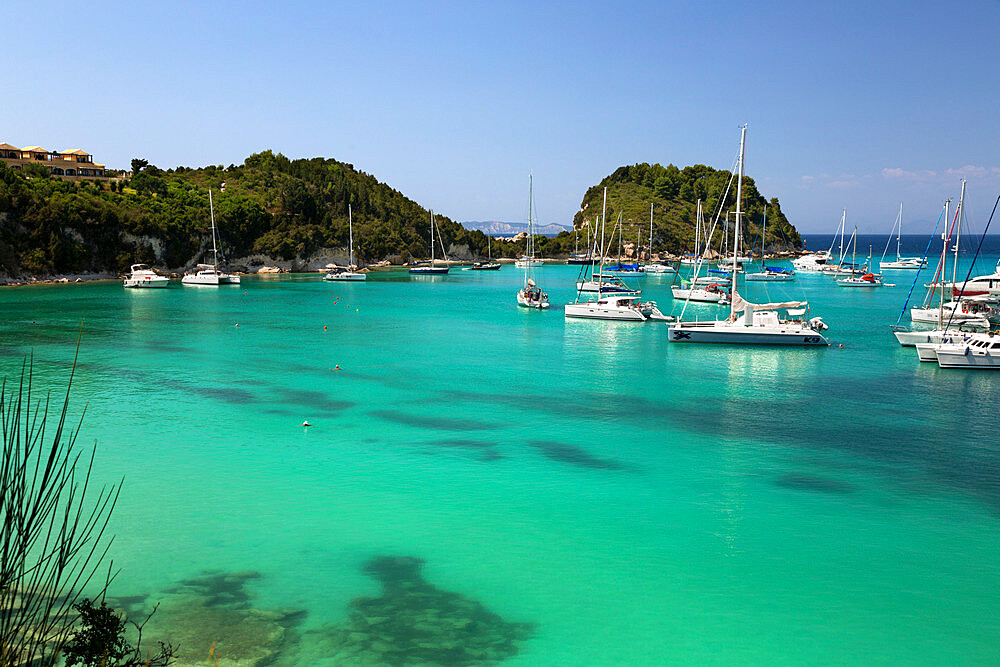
x=483 y=483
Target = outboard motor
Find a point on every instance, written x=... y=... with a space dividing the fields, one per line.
x=818 y=324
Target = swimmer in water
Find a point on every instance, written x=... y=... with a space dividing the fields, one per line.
x=306 y=424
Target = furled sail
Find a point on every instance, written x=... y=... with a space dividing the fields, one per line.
x=739 y=304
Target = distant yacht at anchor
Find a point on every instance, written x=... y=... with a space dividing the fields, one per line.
x=431 y=269
x=768 y=274
x=913 y=263
x=489 y=264
x=531 y=295
x=144 y=277
x=209 y=274
x=348 y=274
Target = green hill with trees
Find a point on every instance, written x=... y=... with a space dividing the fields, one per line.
x=674 y=193
x=273 y=209
x=270 y=206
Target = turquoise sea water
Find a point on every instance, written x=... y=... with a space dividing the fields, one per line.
x=639 y=502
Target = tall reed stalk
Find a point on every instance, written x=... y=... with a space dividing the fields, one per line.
x=54 y=524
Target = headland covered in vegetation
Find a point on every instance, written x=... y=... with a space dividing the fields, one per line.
x=294 y=213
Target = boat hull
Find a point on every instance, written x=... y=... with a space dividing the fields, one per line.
x=768 y=277
x=930 y=316
x=146 y=283
x=659 y=269
x=594 y=311
x=604 y=288
x=949 y=356
x=346 y=277
x=525 y=302
x=912 y=338
x=725 y=333
x=699 y=296
x=899 y=266
x=846 y=282
x=429 y=270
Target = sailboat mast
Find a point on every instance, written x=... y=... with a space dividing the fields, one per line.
x=854 y=251
x=697 y=232
x=739 y=214
x=621 y=230
x=843 y=223
x=215 y=250
x=531 y=233
x=958 y=234
x=650 y=231
x=899 y=229
x=763 y=240
x=350 y=234
x=604 y=215
x=432 y=238
x=944 y=260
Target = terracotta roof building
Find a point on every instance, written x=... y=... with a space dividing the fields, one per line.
x=73 y=164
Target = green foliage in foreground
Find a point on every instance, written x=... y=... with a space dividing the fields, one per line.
x=674 y=194
x=100 y=641
x=285 y=209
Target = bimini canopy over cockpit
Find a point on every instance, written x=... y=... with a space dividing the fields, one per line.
x=741 y=305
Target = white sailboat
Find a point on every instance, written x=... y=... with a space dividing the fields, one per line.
x=830 y=267
x=702 y=289
x=531 y=295
x=431 y=269
x=142 y=276
x=605 y=283
x=910 y=263
x=349 y=274
x=749 y=323
x=528 y=260
x=955 y=320
x=209 y=274
x=711 y=293
x=623 y=307
x=965 y=310
x=768 y=274
x=655 y=268
x=692 y=259
x=864 y=277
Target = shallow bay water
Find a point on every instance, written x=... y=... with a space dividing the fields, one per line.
x=634 y=501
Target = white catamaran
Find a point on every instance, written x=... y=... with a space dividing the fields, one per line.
x=610 y=304
x=750 y=323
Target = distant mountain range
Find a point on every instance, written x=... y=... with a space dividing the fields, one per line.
x=508 y=229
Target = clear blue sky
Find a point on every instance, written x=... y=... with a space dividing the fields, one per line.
x=858 y=104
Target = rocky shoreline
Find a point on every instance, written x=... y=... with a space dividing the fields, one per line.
x=266 y=265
